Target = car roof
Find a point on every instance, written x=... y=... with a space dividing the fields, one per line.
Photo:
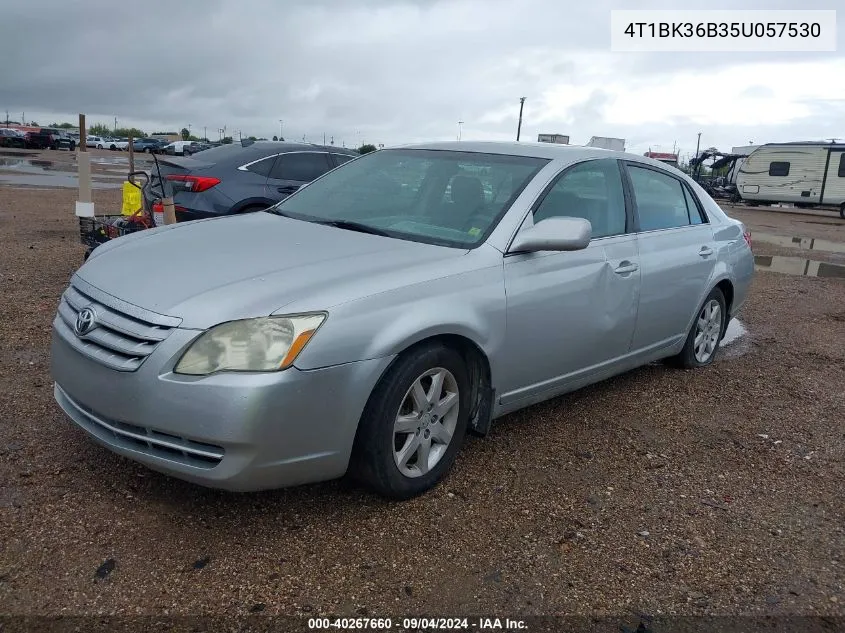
x=550 y=151
x=256 y=150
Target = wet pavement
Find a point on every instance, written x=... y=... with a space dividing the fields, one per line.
x=808 y=243
x=798 y=266
x=22 y=171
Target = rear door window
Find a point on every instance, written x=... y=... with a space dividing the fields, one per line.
x=300 y=166
x=661 y=200
x=261 y=167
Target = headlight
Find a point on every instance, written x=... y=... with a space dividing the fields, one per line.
x=263 y=344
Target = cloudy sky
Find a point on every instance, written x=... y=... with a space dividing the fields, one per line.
x=395 y=71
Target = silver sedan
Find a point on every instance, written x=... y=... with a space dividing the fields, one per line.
x=366 y=323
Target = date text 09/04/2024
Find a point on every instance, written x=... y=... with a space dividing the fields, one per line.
x=414 y=624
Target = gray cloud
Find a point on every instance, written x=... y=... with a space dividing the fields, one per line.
x=378 y=70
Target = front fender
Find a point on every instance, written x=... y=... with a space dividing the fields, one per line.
x=470 y=304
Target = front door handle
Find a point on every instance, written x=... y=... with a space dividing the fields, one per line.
x=706 y=251
x=626 y=268
x=286 y=189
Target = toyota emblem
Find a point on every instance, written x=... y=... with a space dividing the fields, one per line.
x=86 y=321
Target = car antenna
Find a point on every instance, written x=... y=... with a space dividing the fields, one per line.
x=160 y=181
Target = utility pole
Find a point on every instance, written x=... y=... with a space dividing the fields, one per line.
x=280 y=129
x=460 y=123
x=7 y=118
x=204 y=134
x=324 y=138
x=519 y=125
x=698 y=164
x=115 y=124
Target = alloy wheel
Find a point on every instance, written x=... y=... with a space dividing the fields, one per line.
x=426 y=421
x=708 y=329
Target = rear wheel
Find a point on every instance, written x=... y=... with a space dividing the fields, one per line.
x=842 y=211
x=99 y=146
x=705 y=334
x=414 y=423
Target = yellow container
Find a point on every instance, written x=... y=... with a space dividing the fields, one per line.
x=132 y=200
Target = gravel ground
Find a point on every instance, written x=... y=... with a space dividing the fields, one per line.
x=661 y=491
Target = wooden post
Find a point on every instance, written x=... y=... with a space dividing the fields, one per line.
x=84 y=205
x=83 y=134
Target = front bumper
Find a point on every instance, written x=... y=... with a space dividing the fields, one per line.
x=236 y=431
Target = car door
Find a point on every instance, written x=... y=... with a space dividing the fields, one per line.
x=677 y=255
x=291 y=170
x=571 y=315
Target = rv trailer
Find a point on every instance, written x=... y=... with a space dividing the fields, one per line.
x=809 y=174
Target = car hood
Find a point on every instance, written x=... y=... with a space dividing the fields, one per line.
x=211 y=271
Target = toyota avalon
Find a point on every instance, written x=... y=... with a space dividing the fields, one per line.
x=369 y=321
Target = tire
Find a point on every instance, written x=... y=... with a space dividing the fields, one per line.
x=147 y=150
x=711 y=326
x=99 y=147
x=389 y=461
x=842 y=211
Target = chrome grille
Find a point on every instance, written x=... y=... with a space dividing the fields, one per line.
x=141 y=439
x=125 y=334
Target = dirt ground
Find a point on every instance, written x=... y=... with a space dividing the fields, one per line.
x=716 y=491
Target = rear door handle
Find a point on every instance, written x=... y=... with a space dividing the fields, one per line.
x=626 y=268
x=286 y=189
x=706 y=251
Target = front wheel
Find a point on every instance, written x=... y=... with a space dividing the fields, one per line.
x=414 y=423
x=842 y=211
x=99 y=147
x=705 y=334
x=147 y=150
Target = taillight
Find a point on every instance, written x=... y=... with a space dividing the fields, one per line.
x=194 y=184
x=747 y=236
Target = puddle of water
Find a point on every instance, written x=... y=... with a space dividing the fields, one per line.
x=735 y=331
x=56 y=179
x=798 y=266
x=117 y=160
x=808 y=243
x=26 y=165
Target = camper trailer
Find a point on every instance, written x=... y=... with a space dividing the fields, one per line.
x=805 y=174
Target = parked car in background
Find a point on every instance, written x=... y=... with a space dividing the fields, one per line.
x=239 y=177
x=148 y=145
x=118 y=143
x=50 y=138
x=193 y=148
x=95 y=141
x=178 y=148
x=12 y=138
x=367 y=322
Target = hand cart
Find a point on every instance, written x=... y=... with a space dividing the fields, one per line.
x=99 y=229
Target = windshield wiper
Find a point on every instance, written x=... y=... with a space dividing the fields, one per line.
x=353 y=226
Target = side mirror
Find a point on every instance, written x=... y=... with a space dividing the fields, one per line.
x=554 y=234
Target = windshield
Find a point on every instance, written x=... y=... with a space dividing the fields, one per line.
x=435 y=196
